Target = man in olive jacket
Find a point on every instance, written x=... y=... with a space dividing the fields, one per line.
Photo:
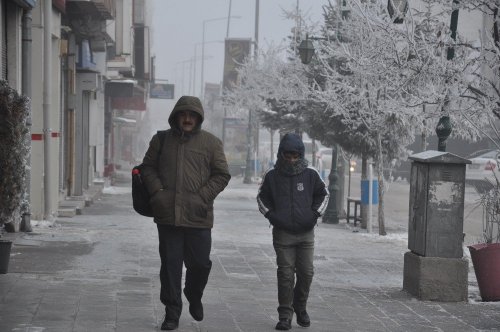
x=183 y=180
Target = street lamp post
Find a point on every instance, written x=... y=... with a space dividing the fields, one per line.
x=247 y=179
x=331 y=216
x=397 y=10
x=203 y=47
x=196 y=57
x=444 y=128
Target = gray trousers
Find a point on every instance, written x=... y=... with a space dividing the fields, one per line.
x=294 y=256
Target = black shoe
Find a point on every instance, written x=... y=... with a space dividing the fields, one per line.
x=195 y=308
x=303 y=319
x=169 y=324
x=284 y=324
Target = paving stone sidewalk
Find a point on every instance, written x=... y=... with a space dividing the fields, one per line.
x=99 y=272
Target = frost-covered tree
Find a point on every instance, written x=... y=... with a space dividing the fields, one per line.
x=274 y=87
x=376 y=75
x=485 y=88
x=14 y=151
x=368 y=86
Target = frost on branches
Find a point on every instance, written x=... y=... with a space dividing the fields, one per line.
x=14 y=151
x=272 y=86
x=485 y=89
x=394 y=81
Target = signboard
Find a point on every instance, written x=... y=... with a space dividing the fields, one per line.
x=162 y=91
x=119 y=88
x=29 y=3
x=135 y=103
x=60 y=4
x=235 y=143
x=236 y=50
x=212 y=96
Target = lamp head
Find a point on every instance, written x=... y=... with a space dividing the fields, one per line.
x=306 y=51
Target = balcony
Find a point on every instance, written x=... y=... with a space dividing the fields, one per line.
x=98 y=9
x=87 y=18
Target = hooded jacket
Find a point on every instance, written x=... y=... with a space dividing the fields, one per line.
x=292 y=196
x=189 y=173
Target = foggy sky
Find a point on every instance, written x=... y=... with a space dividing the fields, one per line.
x=178 y=26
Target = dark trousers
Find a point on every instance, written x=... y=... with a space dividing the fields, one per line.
x=190 y=246
x=294 y=257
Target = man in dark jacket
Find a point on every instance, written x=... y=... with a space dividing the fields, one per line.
x=183 y=180
x=292 y=197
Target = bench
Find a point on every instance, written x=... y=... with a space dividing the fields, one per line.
x=357 y=208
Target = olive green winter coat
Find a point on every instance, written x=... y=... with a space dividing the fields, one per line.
x=191 y=171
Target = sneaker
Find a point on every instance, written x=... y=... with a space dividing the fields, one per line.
x=284 y=324
x=303 y=318
x=195 y=308
x=169 y=324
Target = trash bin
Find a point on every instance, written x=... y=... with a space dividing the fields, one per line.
x=5 y=246
x=365 y=184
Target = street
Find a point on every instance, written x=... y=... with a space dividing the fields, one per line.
x=397 y=204
x=99 y=272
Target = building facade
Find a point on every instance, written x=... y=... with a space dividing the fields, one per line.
x=63 y=54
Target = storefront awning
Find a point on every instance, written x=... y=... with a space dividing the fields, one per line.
x=120 y=119
x=26 y=3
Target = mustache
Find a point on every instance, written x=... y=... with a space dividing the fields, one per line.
x=187 y=122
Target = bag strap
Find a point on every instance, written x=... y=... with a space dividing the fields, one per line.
x=162 y=135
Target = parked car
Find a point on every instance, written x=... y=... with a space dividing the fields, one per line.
x=324 y=162
x=399 y=170
x=483 y=169
x=308 y=145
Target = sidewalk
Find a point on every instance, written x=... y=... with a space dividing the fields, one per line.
x=99 y=272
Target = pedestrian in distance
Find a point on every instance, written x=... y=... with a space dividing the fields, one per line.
x=183 y=179
x=292 y=197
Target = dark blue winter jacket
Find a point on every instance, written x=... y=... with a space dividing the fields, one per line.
x=292 y=197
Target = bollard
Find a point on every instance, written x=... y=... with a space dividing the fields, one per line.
x=5 y=246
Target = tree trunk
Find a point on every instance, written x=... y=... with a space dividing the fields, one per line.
x=341 y=165
x=423 y=145
x=364 y=176
x=380 y=168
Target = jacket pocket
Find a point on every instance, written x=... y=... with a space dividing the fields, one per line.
x=162 y=204
x=197 y=210
x=280 y=219
x=306 y=218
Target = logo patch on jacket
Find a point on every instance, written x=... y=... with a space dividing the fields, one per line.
x=300 y=186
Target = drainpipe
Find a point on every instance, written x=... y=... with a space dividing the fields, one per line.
x=47 y=90
x=26 y=90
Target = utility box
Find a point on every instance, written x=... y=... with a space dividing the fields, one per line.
x=437 y=188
